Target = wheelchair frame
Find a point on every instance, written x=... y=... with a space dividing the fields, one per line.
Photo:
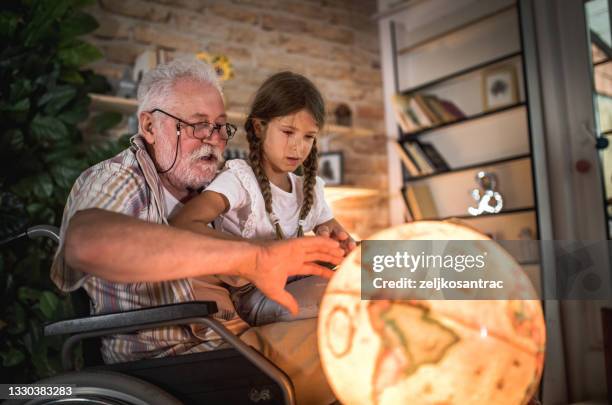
x=197 y=312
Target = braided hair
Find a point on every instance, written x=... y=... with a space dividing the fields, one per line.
x=282 y=94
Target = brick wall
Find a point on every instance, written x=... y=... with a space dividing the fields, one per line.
x=333 y=42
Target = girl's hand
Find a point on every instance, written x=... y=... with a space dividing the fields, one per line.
x=346 y=242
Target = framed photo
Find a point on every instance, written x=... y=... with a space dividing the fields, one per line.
x=331 y=168
x=499 y=87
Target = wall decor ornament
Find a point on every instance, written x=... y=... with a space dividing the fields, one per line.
x=489 y=200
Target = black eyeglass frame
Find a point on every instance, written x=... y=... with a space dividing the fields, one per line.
x=230 y=128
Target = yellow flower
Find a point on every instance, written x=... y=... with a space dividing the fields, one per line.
x=220 y=63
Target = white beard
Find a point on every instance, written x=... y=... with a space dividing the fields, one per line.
x=188 y=172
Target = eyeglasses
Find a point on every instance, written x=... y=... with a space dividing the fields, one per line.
x=203 y=130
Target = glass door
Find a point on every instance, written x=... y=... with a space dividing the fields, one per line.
x=597 y=15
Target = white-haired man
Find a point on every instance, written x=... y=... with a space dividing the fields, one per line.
x=115 y=242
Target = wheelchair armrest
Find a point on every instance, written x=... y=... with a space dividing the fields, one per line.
x=134 y=318
x=195 y=312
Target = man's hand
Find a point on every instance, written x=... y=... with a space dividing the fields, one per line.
x=346 y=242
x=276 y=261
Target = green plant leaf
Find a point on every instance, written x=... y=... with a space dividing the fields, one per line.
x=57 y=156
x=22 y=105
x=48 y=304
x=48 y=128
x=43 y=102
x=56 y=99
x=17 y=319
x=78 y=23
x=78 y=54
x=41 y=213
x=95 y=83
x=20 y=89
x=76 y=114
x=43 y=186
x=45 y=13
x=12 y=357
x=34 y=208
x=83 y=3
x=72 y=76
x=27 y=294
x=65 y=175
x=16 y=140
x=13 y=216
x=106 y=120
x=8 y=24
x=48 y=79
x=41 y=362
x=24 y=189
x=35 y=330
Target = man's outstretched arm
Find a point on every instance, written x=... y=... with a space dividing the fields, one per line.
x=124 y=249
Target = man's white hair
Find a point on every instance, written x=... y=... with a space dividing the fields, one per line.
x=157 y=83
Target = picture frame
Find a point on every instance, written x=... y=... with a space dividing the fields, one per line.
x=499 y=87
x=331 y=168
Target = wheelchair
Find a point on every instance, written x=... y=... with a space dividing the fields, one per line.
x=237 y=375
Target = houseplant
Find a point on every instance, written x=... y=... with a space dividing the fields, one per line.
x=43 y=100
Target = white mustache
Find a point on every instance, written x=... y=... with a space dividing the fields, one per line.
x=205 y=151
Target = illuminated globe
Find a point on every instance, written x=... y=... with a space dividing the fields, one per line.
x=389 y=352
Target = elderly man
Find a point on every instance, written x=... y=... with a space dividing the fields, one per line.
x=116 y=244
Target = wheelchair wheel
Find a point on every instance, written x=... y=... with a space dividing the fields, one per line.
x=103 y=388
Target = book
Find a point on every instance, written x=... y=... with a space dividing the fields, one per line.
x=403 y=114
x=420 y=202
x=413 y=117
x=427 y=110
x=452 y=108
x=434 y=156
x=421 y=116
x=436 y=105
x=410 y=165
x=419 y=157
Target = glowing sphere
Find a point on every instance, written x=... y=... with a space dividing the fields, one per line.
x=389 y=352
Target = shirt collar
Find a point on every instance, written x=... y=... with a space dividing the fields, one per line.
x=138 y=146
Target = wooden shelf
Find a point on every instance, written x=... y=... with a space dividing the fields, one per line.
x=462 y=72
x=104 y=102
x=414 y=135
x=468 y=167
x=503 y=212
x=467 y=23
x=337 y=193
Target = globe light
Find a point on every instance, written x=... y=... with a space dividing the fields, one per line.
x=432 y=351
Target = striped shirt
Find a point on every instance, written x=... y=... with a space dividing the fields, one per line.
x=129 y=184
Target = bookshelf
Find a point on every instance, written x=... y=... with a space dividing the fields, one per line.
x=439 y=72
x=416 y=134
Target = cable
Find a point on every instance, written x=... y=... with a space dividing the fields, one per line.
x=178 y=136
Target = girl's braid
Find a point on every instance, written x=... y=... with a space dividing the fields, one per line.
x=310 y=166
x=255 y=158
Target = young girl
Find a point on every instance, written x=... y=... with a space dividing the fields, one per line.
x=264 y=199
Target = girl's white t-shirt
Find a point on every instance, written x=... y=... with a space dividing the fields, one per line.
x=172 y=203
x=247 y=216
